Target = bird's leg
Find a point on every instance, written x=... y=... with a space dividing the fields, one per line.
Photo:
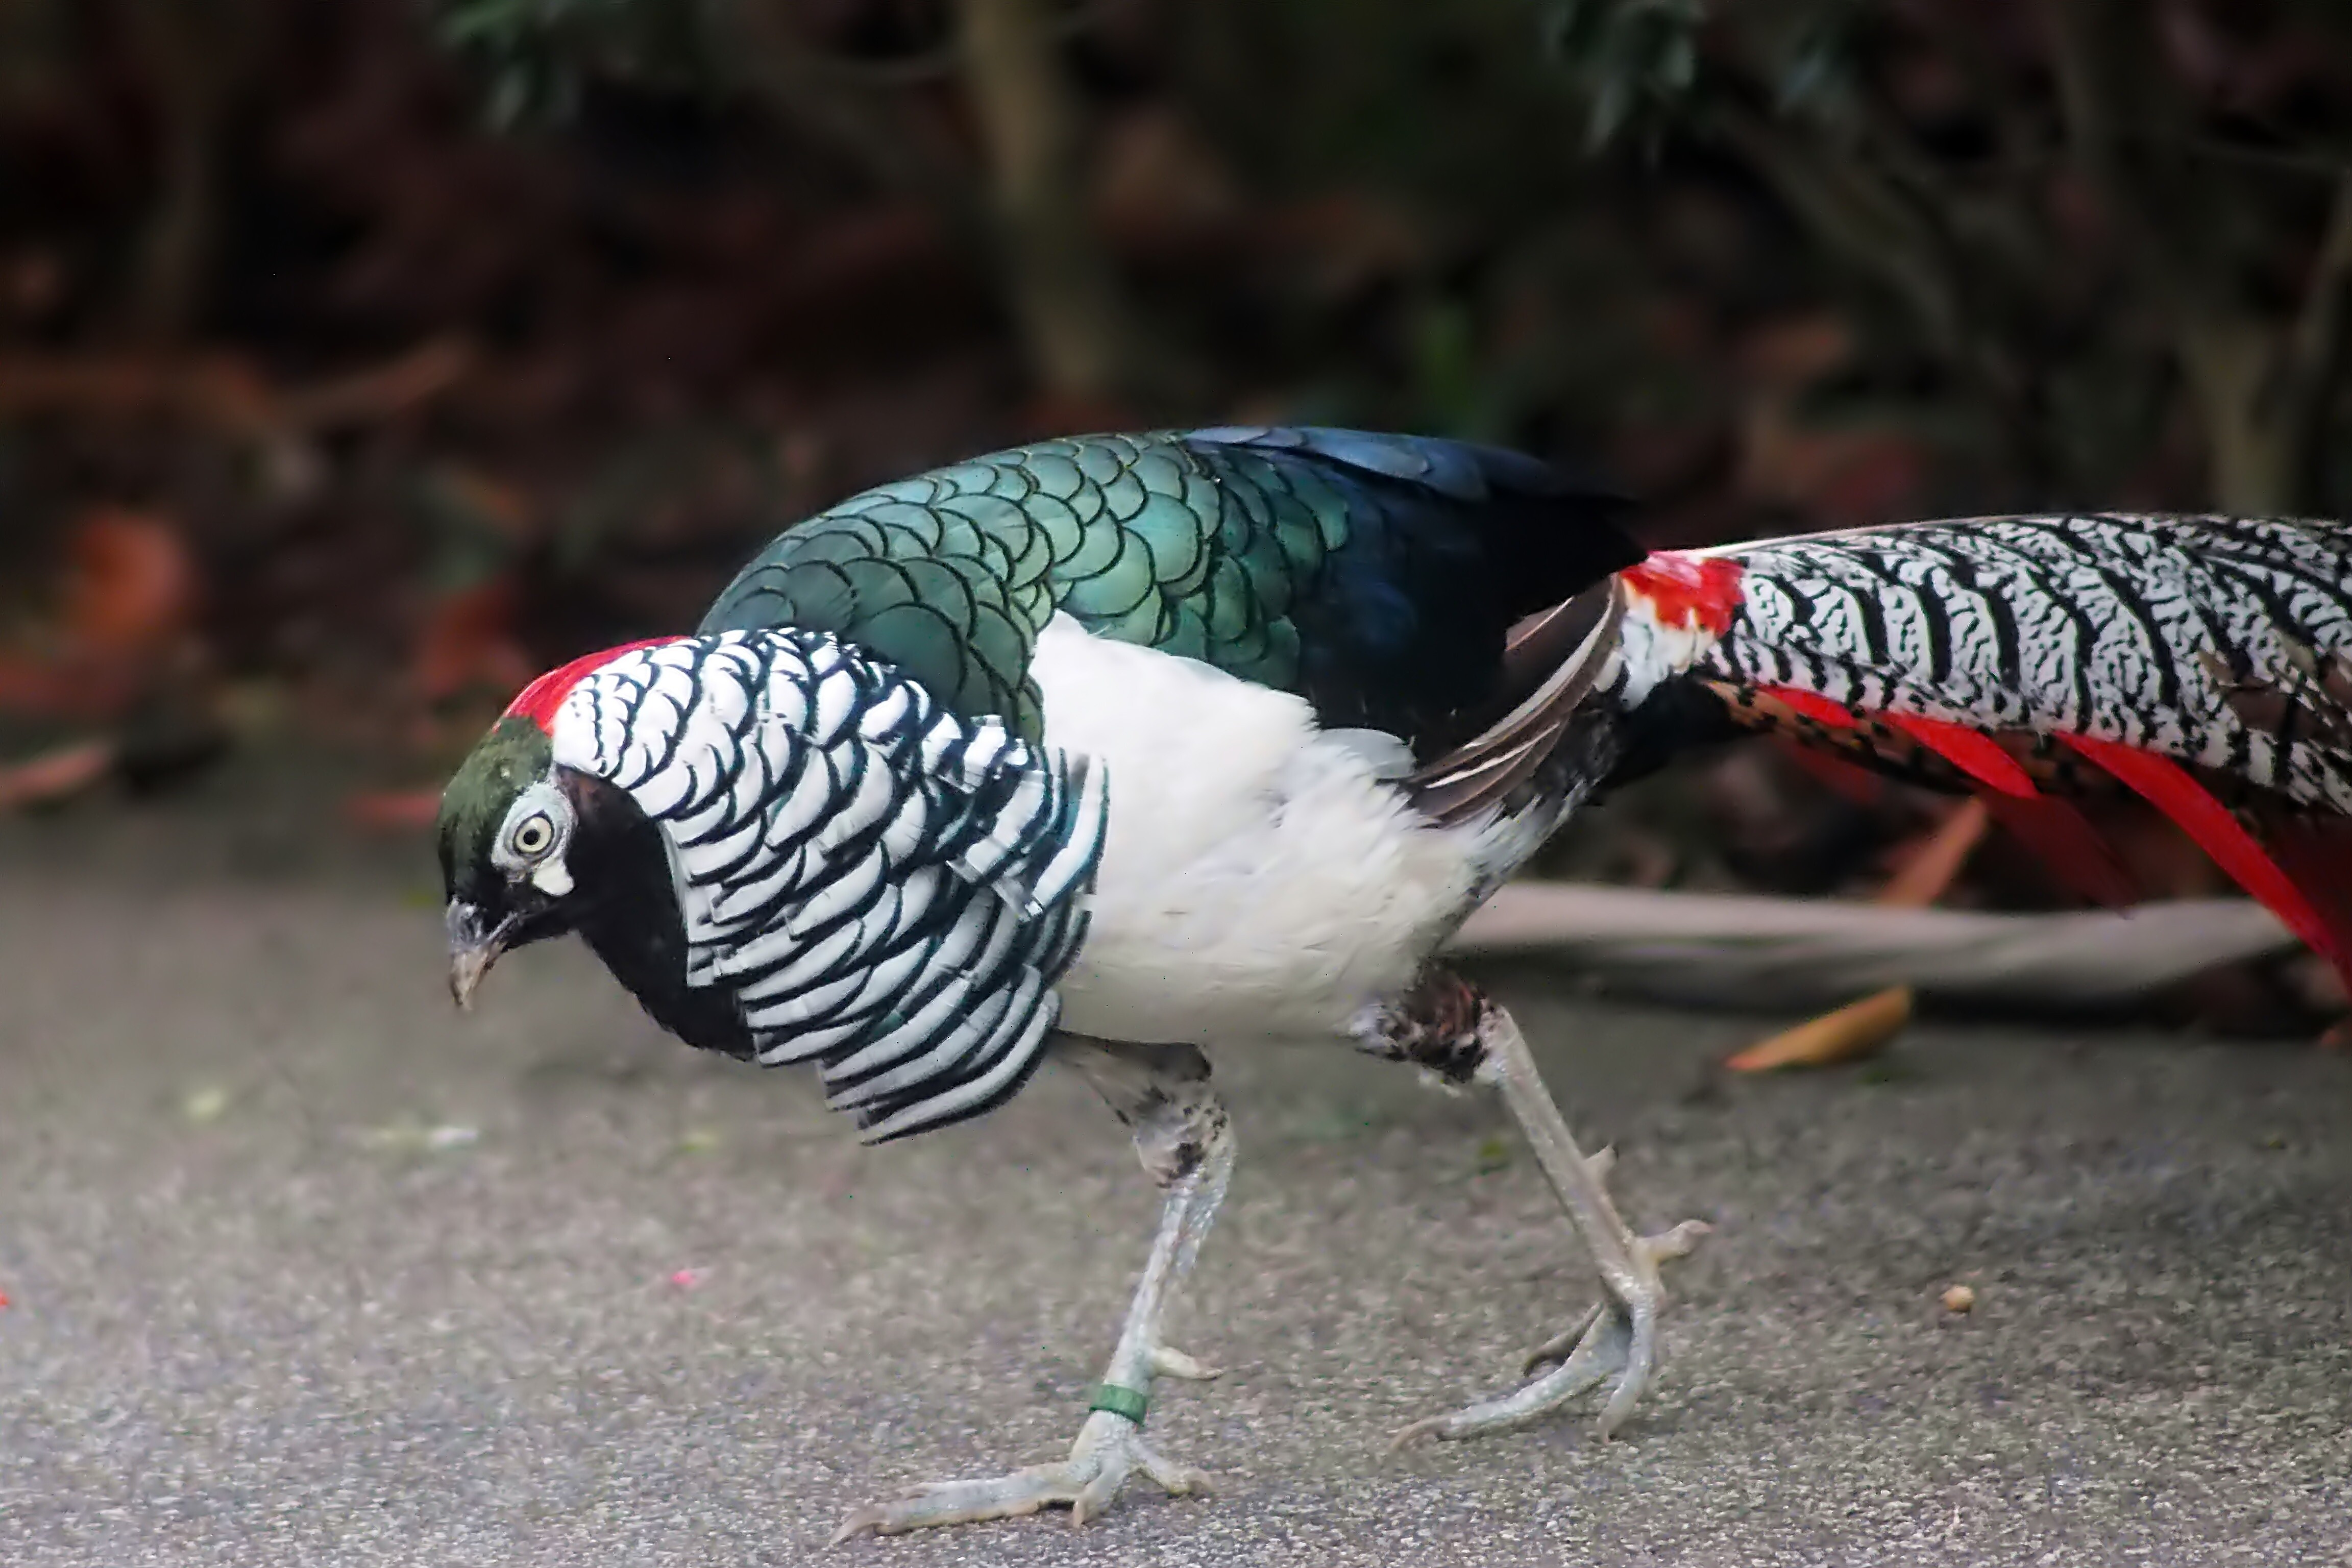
x=1447 y=1026
x=1185 y=1142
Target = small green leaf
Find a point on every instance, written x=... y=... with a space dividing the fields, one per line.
x=510 y=98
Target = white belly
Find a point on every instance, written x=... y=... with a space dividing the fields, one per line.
x=1261 y=879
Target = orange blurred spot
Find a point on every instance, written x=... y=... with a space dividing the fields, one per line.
x=131 y=587
x=127 y=602
x=467 y=641
x=392 y=810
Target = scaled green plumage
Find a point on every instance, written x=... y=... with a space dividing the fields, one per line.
x=1373 y=573
x=952 y=574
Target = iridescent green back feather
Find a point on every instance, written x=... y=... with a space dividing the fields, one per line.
x=1373 y=573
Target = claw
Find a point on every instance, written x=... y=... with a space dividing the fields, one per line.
x=1167 y=1361
x=1612 y=1342
x=1555 y=1350
x=1616 y=1338
x=860 y=1520
x=1109 y=1450
x=1679 y=1242
x=1619 y=1338
x=1428 y=1426
x=1177 y=1480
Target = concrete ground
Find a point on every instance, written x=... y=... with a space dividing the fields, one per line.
x=304 y=1268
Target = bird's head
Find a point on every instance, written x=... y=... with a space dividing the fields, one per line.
x=509 y=821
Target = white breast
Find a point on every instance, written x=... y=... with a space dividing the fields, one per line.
x=1262 y=878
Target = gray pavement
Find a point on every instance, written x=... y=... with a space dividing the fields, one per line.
x=647 y=1307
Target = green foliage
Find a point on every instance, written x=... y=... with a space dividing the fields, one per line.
x=1634 y=60
x=538 y=54
x=2075 y=235
x=1647 y=68
x=35 y=47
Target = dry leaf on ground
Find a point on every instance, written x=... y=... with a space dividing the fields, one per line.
x=57 y=775
x=1854 y=1031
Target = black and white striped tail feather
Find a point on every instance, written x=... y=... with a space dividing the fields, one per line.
x=2203 y=663
x=2145 y=631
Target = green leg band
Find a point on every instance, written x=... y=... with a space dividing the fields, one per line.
x=1120 y=1400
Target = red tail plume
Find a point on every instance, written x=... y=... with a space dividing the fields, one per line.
x=1812 y=705
x=1976 y=755
x=2057 y=833
x=2063 y=839
x=2167 y=786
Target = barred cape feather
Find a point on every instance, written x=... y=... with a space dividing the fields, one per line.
x=886 y=890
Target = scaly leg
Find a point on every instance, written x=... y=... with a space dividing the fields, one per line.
x=1183 y=1139
x=1448 y=1026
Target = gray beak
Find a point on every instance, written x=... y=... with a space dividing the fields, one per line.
x=473 y=950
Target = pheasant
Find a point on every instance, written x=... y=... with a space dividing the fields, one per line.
x=1114 y=748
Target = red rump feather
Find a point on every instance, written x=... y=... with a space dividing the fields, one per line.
x=540 y=699
x=1689 y=591
x=2167 y=786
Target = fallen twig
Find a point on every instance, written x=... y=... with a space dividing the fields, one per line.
x=1865 y=1027
x=225 y=392
x=1737 y=951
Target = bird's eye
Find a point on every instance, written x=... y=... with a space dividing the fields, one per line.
x=533 y=835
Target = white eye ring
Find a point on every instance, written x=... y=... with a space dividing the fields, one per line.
x=533 y=836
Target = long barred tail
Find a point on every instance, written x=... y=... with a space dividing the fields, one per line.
x=2204 y=663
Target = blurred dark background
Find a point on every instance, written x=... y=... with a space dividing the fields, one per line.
x=357 y=361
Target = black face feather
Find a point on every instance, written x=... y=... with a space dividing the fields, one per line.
x=626 y=910
x=622 y=901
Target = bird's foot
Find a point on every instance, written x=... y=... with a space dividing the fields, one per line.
x=1110 y=1448
x=1617 y=1337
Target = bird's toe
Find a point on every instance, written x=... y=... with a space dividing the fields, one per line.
x=1109 y=1449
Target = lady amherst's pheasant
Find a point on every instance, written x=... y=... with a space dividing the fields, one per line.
x=1113 y=748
